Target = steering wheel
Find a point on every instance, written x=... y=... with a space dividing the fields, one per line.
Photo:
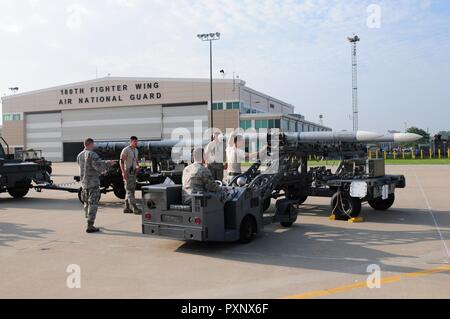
x=259 y=182
x=220 y=183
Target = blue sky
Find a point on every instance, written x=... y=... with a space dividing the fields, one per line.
x=294 y=50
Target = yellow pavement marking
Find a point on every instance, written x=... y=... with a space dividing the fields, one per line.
x=363 y=285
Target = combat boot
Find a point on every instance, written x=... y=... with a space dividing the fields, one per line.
x=136 y=210
x=127 y=209
x=91 y=229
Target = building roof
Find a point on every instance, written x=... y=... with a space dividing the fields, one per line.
x=281 y=115
x=115 y=78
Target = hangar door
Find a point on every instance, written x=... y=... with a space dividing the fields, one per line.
x=43 y=132
x=184 y=116
x=112 y=124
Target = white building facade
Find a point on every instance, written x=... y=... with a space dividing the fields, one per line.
x=57 y=120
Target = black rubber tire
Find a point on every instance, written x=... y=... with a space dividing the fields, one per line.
x=380 y=204
x=287 y=224
x=119 y=191
x=19 y=192
x=291 y=210
x=302 y=199
x=247 y=230
x=352 y=206
x=299 y=199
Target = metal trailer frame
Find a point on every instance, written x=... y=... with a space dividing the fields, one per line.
x=112 y=182
x=242 y=215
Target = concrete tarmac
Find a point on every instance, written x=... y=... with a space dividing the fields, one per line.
x=43 y=234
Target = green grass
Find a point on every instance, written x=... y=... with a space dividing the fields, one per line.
x=428 y=161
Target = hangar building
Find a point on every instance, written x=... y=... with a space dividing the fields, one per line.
x=57 y=120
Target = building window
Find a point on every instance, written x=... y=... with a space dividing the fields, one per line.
x=229 y=105
x=285 y=125
x=217 y=106
x=12 y=117
x=277 y=124
x=246 y=124
x=236 y=105
x=261 y=124
x=271 y=124
x=272 y=106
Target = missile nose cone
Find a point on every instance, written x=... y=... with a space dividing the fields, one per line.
x=406 y=137
x=365 y=136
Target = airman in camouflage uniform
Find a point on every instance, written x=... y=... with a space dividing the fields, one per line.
x=214 y=157
x=91 y=166
x=197 y=178
x=129 y=165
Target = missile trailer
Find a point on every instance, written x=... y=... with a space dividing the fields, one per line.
x=286 y=179
x=111 y=181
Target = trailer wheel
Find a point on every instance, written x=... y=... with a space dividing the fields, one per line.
x=344 y=206
x=18 y=192
x=302 y=199
x=119 y=191
x=247 y=230
x=380 y=204
x=299 y=199
x=292 y=213
x=287 y=224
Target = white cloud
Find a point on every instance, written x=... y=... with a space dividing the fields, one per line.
x=75 y=15
x=128 y=3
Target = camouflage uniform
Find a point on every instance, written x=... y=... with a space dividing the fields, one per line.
x=91 y=166
x=132 y=156
x=197 y=179
x=214 y=154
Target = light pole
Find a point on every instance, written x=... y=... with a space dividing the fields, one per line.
x=354 y=40
x=210 y=37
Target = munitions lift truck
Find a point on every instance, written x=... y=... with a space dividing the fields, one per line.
x=16 y=177
x=287 y=180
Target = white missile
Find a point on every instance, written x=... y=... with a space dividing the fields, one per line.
x=399 y=138
x=333 y=137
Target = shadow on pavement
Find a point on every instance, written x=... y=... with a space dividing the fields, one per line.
x=325 y=247
x=10 y=232
x=63 y=205
x=57 y=204
x=404 y=216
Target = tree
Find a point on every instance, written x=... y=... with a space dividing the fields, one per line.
x=445 y=134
